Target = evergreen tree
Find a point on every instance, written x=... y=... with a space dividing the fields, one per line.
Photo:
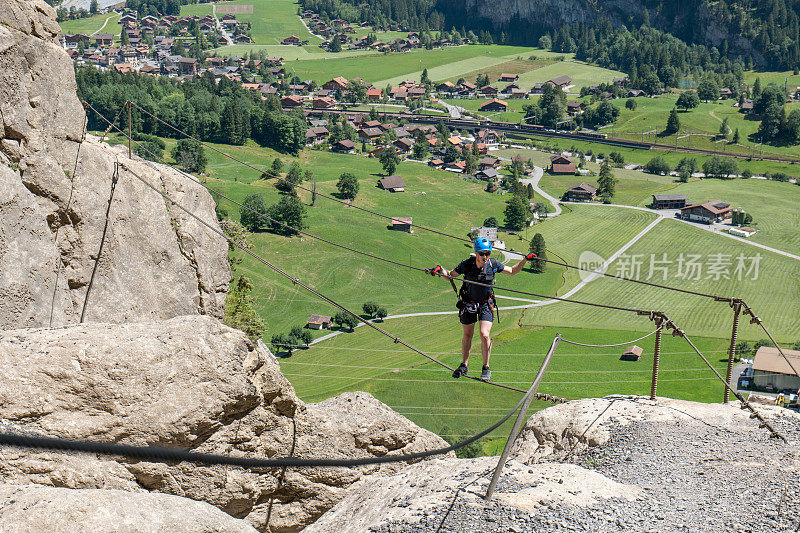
x=516 y=213
x=756 y=89
x=735 y=139
x=538 y=247
x=673 y=122
x=606 y=182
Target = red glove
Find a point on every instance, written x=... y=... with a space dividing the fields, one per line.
x=435 y=271
x=531 y=256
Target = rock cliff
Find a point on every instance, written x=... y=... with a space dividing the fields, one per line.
x=197 y=384
x=56 y=186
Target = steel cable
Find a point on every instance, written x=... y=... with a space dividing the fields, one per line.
x=425 y=228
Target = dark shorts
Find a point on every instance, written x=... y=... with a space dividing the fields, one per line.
x=485 y=313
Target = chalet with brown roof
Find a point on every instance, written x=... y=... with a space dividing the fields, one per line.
x=456 y=166
x=708 y=212
x=403 y=145
x=436 y=163
x=725 y=93
x=561 y=82
x=488 y=174
x=488 y=162
x=487 y=136
x=488 y=90
x=446 y=87
x=493 y=105
x=508 y=77
x=344 y=146
x=372 y=124
x=323 y=103
x=291 y=40
x=317 y=134
x=634 y=93
x=374 y=94
x=574 y=108
x=538 y=88
x=392 y=184
x=104 y=39
x=337 y=83
x=369 y=134
x=455 y=140
x=747 y=106
x=582 y=192
x=561 y=164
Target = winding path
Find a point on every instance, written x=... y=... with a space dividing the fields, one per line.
x=104 y=24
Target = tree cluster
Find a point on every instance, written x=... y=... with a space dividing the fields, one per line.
x=215 y=112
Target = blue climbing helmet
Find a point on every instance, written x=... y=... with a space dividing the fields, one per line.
x=482 y=244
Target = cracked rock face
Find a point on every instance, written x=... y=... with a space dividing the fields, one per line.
x=156 y=261
x=195 y=383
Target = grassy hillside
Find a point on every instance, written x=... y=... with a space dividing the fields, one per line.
x=773 y=294
x=93 y=24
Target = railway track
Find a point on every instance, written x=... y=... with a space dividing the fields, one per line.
x=520 y=130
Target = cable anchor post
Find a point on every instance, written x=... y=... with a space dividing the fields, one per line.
x=658 y=319
x=736 y=304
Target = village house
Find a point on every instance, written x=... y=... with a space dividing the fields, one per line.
x=488 y=174
x=772 y=372
x=538 y=88
x=337 y=83
x=323 y=103
x=575 y=108
x=369 y=134
x=634 y=93
x=436 y=163
x=582 y=192
x=345 y=146
x=488 y=90
x=487 y=136
x=508 y=77
x=456 y=166
x=292 y=100
x=402 y=224
x=561 y=164
x=319 y=322
x=403 y=145
x=374 y=94
x=725 y=93
x=488 y=162
x=708 y=212
x=104 y=40
x=493 y=105
x=562 y=82
x=392 y=184
x=317 y=134
x=669 y=201
x=293 y=40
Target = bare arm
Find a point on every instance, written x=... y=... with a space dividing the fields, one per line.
x=516 y=268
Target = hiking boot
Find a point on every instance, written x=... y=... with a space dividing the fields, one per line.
x=460 y=371
x=486 y=374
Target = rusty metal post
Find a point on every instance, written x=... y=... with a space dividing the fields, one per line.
x=521 y=418
x=129 y=129
x=656 y=359
x=737 y=308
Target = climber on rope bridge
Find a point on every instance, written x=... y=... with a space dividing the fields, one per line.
x=476 y=303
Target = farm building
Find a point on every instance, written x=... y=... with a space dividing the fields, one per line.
x=508 y=77
x=634 y=93
x=582 y=192
x=392 y=183
x=669 y=201
x=561 y=164
x=291 y=40
x=318 y=322
x=631 y=353
x=402 y=224
x=772 y=372
x=493 y=105
x=743 y=231
x=713 y=211
x=323 y=103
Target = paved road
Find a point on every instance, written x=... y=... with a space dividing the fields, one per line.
x=221 y=30
x=533 y=179
x=454 y=110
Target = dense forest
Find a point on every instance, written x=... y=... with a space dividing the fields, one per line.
x=217 y=112
x=765 y=33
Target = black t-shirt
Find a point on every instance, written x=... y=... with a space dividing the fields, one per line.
x=469 y=269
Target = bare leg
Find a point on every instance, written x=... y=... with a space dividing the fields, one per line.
x=466 y=342
x=485 y=328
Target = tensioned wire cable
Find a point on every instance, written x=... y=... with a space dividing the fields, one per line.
x=432 y=230
x=373 y=256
